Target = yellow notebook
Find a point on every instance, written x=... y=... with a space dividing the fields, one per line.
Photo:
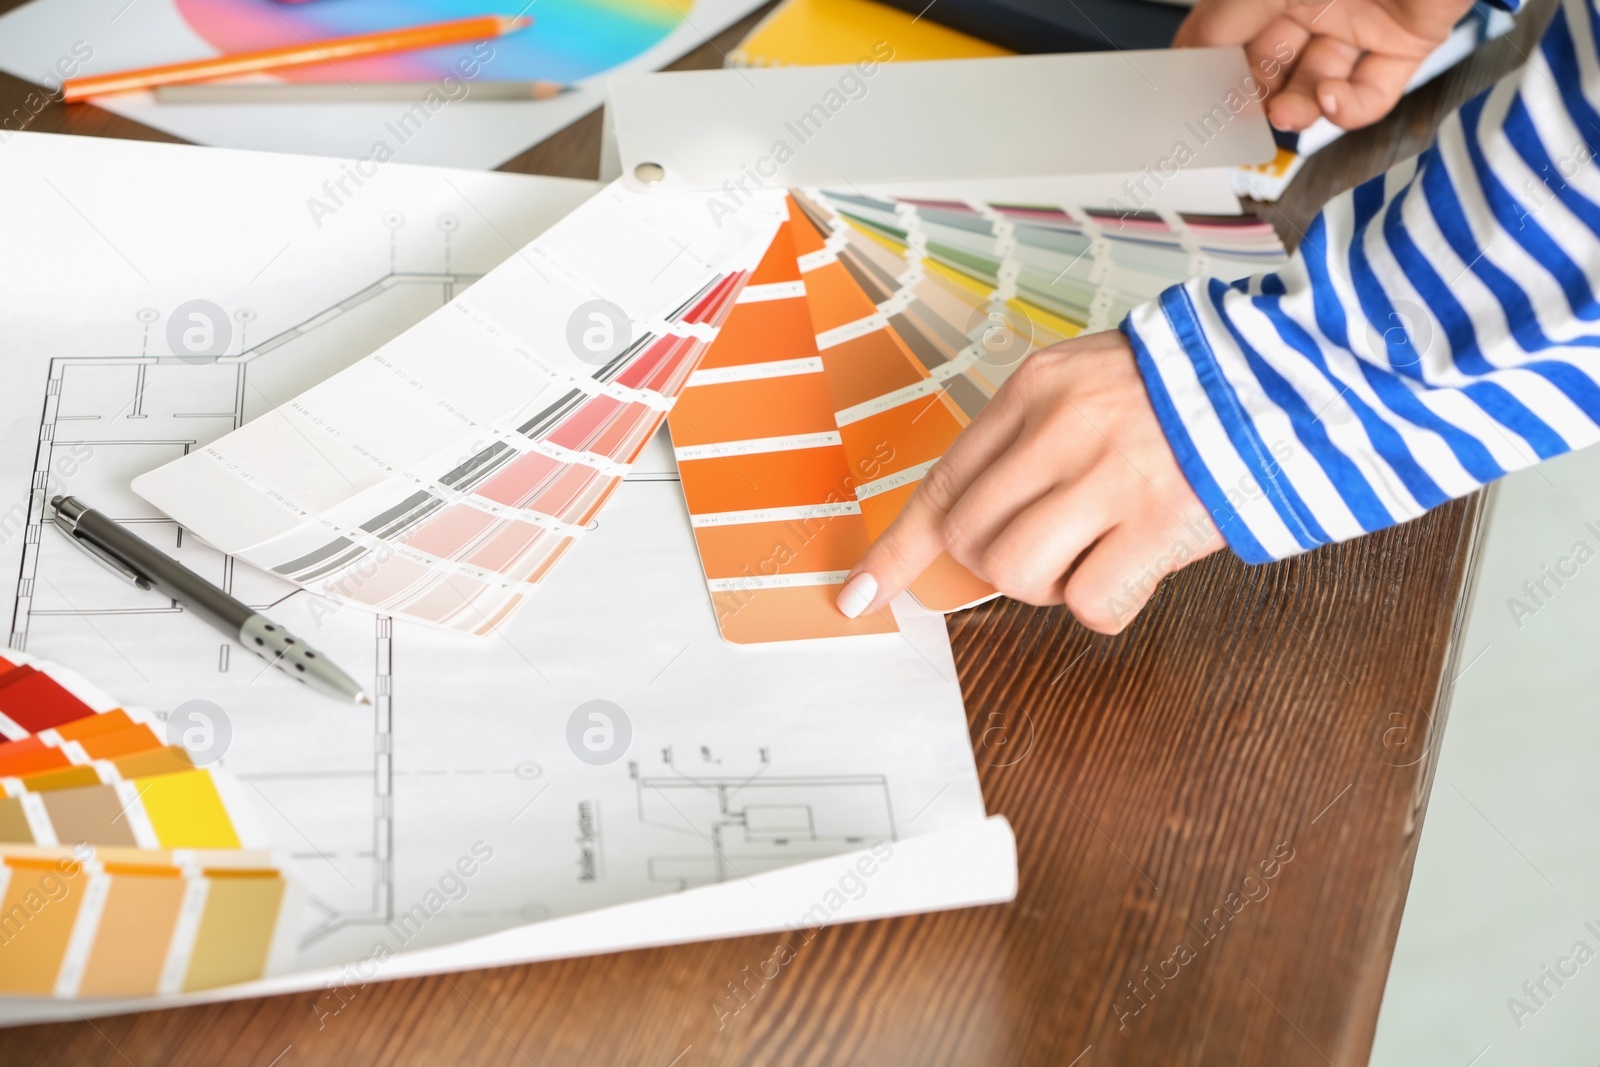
x=820 y=32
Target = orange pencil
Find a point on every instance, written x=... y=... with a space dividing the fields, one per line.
x=458 y=31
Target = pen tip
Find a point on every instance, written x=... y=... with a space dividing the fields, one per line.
x=364 y=700
x=521 y=21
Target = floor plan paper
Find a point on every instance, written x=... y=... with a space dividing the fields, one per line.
x=442 y=477
x=576 y=42
x=731 y=784
x=968 y=864
x=243 y=232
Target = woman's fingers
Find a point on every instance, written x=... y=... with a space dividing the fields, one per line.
x=1371 y=92
x=1115 y=579
x=1274 y=51
x=917 y=536
x=1214 y=23
x=1296 y=105
x=1041 y=495
x=1032 y=556
x=1041 y=459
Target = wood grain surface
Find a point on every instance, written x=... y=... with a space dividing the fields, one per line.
x=1273 y=719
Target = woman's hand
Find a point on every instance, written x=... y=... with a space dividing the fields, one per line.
x=1349 y=60
x=1064 y=490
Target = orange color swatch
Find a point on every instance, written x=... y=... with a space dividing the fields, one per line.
x=769 y=484
x=894 y=418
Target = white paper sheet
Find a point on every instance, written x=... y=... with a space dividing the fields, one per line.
x=743 y=775
x=41 y=39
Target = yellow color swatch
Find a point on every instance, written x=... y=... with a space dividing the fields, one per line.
x=187 y=811
x=236 y=930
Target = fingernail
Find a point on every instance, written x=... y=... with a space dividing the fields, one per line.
x=1330 y=104
x=857 y=594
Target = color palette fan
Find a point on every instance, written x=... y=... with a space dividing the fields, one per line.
x=769 y=486
x=441 y=477
x=125 y=869
x=801 y=438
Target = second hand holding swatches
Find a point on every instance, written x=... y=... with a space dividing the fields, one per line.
x=141 y=563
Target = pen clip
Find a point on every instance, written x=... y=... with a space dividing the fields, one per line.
x=104 y=558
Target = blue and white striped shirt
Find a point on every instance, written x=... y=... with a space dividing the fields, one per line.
x=1438 y=327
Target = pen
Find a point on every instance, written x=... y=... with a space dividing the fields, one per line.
x=383 y=42
x=145 y=566
x=347 y=92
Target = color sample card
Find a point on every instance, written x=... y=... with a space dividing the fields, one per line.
x=120 y=922
x=892 y=414
x=185 y=807
x=123 y=866
x=770 y=489
x=36 y=696
x=969 y=332
x=441 y=477
x=97 y=737
x=145 y=763
x=922 y=310
x=1064 y=268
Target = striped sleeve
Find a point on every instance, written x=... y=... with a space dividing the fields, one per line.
x=1437 y=328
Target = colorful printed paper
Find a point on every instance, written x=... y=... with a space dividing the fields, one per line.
x=575 y=39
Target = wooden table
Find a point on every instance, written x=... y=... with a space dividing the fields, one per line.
x=1284 y=715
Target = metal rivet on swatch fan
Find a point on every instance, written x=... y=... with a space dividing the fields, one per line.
x=650 y=173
